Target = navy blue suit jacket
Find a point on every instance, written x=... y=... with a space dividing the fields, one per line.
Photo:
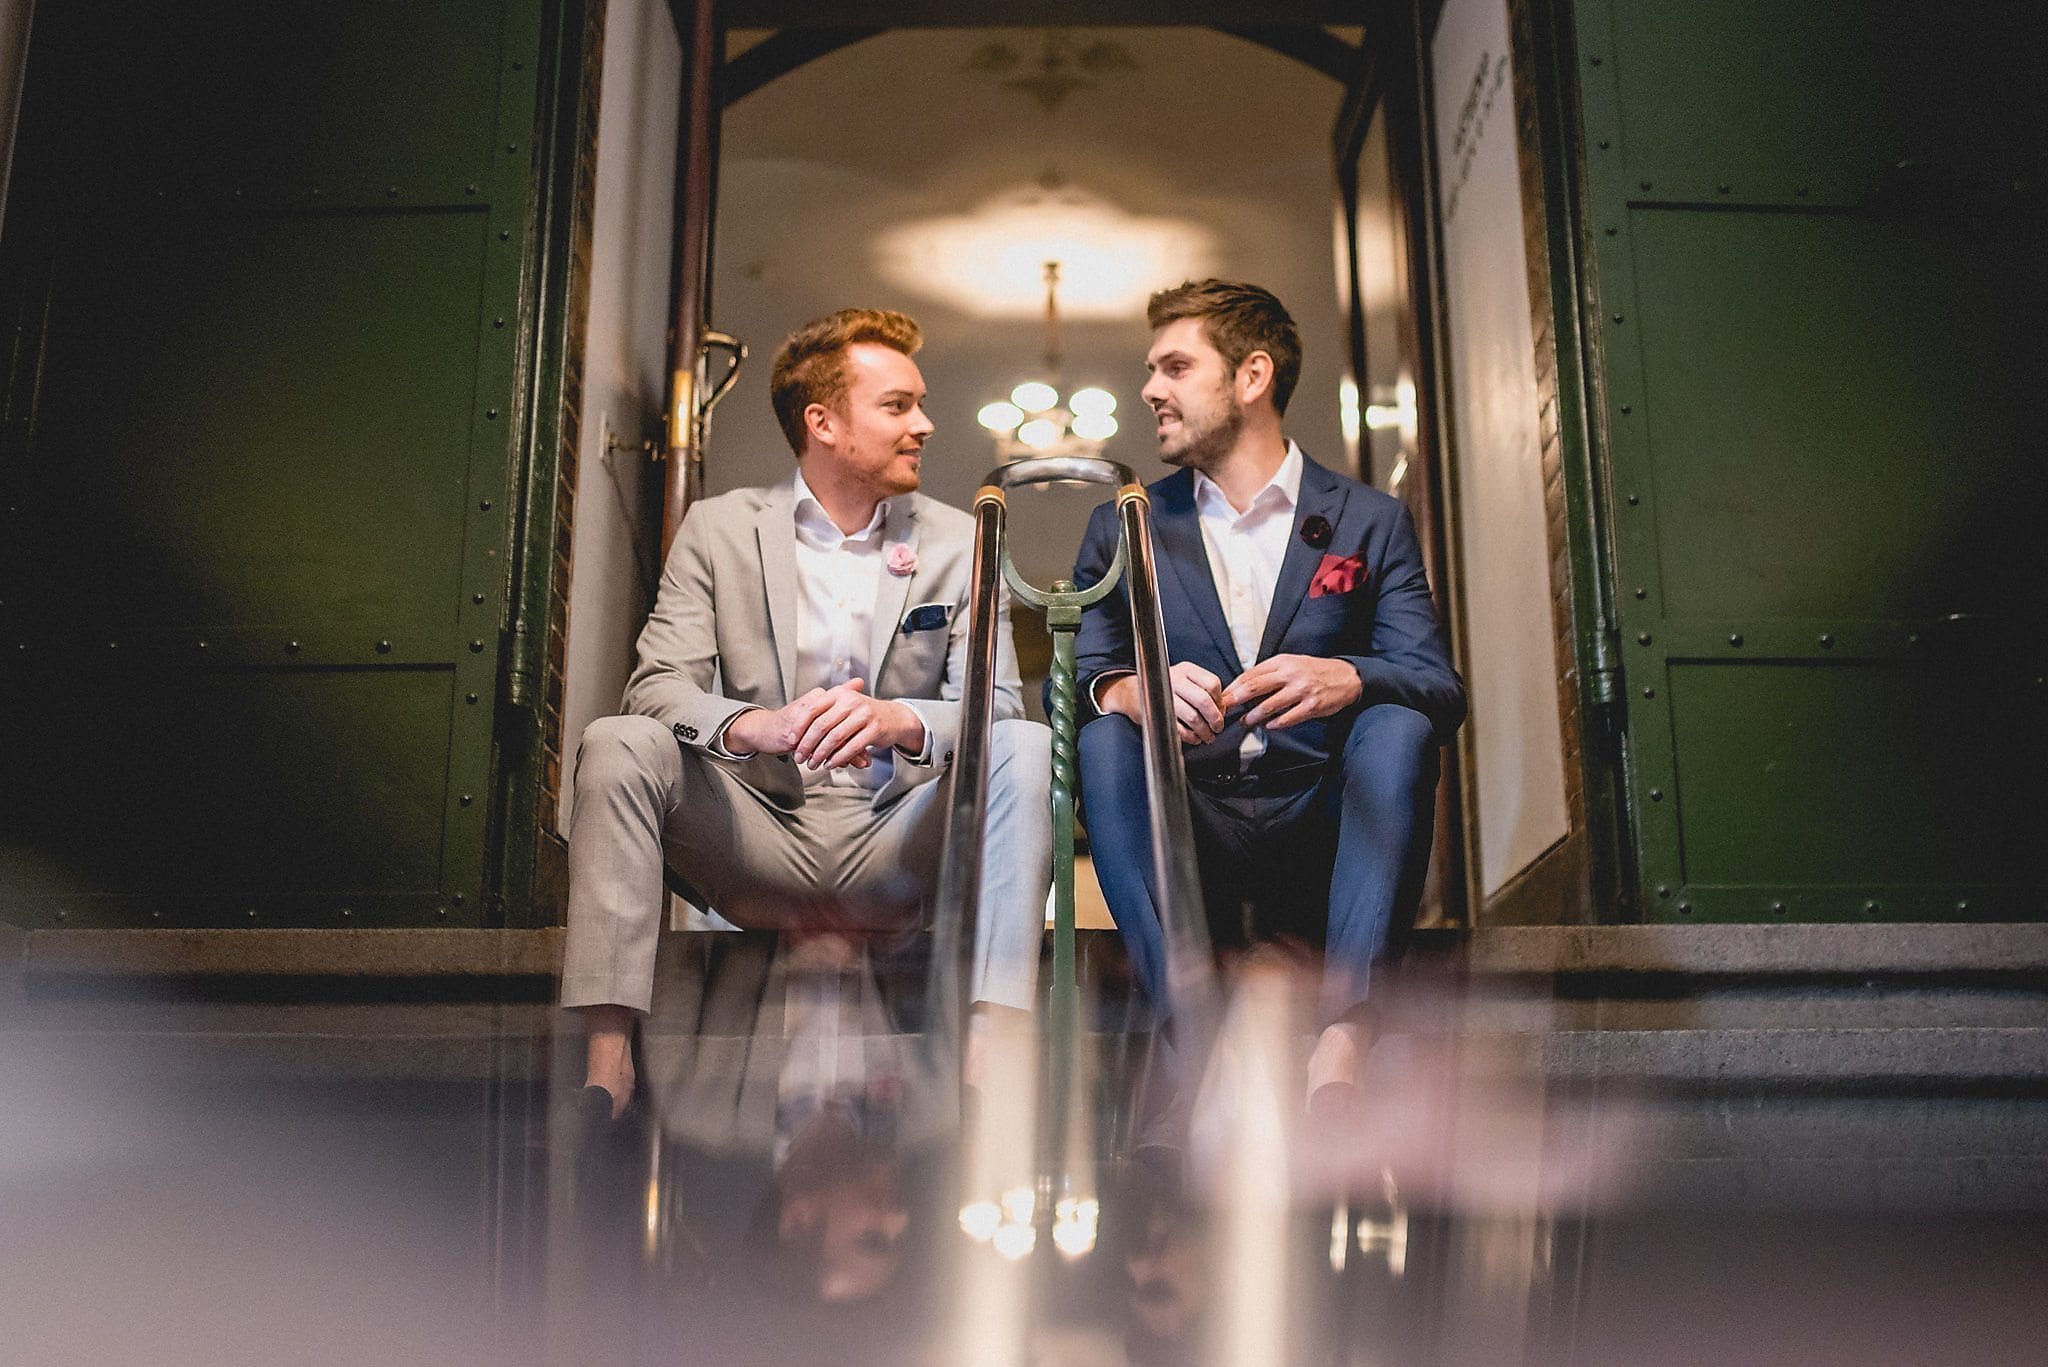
x=1386 y=627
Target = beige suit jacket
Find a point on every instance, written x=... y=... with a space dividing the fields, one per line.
x=723 y=633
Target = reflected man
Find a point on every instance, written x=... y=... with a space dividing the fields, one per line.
x=796 y=704
x=1311 y=684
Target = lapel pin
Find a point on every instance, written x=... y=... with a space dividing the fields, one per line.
x=902 y=560
x=1316 y=531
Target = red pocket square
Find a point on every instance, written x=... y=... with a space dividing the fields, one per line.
x=1337 y=574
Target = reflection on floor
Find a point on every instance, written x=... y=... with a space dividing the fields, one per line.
x=228 y=1174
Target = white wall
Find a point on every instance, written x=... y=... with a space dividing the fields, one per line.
x=625 y=365
x=1496 y=467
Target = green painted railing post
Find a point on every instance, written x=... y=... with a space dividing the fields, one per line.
x=1062 y=605
x=1063 y=617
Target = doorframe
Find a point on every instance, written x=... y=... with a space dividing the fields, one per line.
x=805 y=33
x=1388 y=82
x=529 y=870
x=1591 y=872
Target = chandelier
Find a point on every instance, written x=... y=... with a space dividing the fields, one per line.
x=1036 y=420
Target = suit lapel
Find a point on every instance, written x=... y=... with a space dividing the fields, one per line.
x=1322 y=495
x=775 y=530
x=1179 y=530
x=899 y=528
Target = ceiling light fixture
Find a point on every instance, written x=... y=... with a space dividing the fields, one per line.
x=990 y=261
x=1033 y=421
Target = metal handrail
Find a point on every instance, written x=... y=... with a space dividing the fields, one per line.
x=959 y=888
x=1190 y=965
x=1176 y=875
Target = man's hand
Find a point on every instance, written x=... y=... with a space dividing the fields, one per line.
x=828 y=728
x=1197 y=701
x=1292 y=689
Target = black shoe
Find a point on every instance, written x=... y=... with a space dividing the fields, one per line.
x=594 y=1109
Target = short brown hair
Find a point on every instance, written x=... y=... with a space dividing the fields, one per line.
x=1238 y=319
x=810 y=365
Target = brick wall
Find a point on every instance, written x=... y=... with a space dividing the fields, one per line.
x=577 y=321
x=1523 y=15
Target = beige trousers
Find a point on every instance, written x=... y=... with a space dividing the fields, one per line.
x=837 y=862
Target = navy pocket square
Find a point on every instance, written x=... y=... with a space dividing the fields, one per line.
x=927 y=617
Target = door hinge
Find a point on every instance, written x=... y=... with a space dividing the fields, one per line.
x=519 y=680
x=1607 y=687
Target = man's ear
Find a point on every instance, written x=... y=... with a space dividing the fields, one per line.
x=821 y=424
x=1254 y=376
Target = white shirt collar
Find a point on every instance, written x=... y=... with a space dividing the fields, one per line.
x=1284 y=486
x=811 y=517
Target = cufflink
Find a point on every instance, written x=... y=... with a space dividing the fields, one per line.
x=685 y=732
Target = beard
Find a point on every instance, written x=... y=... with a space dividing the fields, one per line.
x=901 y=478
x=1206 y=439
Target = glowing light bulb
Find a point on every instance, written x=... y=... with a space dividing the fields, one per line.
x=1034 y=396
x=1094 y=426
x=1074 y=1225
x=1015 y=1241
x=1093 y=401
x=979 y=1220
x=1018 y=1205
x=1039 y=433
x=1000 y=416
x=1073 y=1238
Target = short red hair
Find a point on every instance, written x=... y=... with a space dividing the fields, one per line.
x=810 y=365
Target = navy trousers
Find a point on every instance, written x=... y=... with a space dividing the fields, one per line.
x=1329 y=857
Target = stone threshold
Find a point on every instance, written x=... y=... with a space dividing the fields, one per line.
x=1943 y=1056
x=1773 y=950
x=1525 y=951
x=426 y=953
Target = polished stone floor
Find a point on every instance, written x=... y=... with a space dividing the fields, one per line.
x=197 y=1176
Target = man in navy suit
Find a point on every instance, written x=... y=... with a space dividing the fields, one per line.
x=1311 y=684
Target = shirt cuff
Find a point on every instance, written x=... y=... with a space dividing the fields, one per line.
x=716 y=745
x=923 y=756
x=1102 y=680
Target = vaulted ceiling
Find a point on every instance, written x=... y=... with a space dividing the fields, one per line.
x=924 y=169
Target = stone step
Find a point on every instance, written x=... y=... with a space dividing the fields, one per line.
x=1752 y=1005
x=1940 y=1056
x=1765 y=951
x=113 y=954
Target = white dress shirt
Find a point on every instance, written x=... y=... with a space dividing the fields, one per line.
x=1245 y=552
x=837 y=578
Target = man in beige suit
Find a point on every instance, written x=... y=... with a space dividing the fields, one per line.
x=797 y=703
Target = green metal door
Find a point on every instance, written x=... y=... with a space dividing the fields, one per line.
x=262 y=457
x=1817 y=278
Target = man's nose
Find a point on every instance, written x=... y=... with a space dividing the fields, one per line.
x=1154 y=393
x=921 y=422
